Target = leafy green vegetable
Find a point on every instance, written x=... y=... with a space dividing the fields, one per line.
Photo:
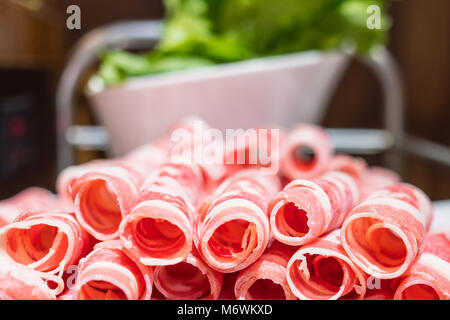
x=205 y=32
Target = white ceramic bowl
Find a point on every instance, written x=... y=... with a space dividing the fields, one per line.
x=281 y=90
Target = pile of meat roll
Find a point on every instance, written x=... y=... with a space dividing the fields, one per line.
x=144 y=226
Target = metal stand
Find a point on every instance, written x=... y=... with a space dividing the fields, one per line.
x=146 y=33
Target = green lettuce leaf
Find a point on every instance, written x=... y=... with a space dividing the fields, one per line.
x=205 y=32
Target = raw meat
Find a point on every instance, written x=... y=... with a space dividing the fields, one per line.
x=48 y=242
x=69 y=175
x=376 y=178
x=305 y=209
x=262 y=148
x=232 y=226
x=190 y=279
x=355 y=167
x=141 y=160
x=322 y=270
x=198 y=214
x=103 y=196
x=146 y=158
x=368 y=179
x=31 y=199
x=429 y=277
x=308 y=152
x=192 y=141
x=159 y=229
x=110 y=273
x=384 y=234
x=266 y=278
x=19 y=282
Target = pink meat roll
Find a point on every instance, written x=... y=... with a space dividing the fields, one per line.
x=308 y=152
x=69 y=175
x=368 y=179
x=8 y=213
x=376 y=178
x=48 y=242
x=146 y=158
x=31 y=199
x=429 y=277
x=104 y=196
x=322 y=270
x=20 y=282
x=191 y=279
x=353 y=166
x=110 y=273
x=262 y=148
x=266 y=278
x=304 y=209
x=192 y=141
x=384 y=234
x=232 y=226
x=141 y=160
x=159 y=229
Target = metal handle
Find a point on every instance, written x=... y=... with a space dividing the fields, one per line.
x=384 y=67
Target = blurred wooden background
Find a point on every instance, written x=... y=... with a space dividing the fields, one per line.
x=419 y=40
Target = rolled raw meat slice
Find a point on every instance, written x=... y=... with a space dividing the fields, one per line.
x=142 y=160
x=159 y=229
x=355 y=167
x=308 y=152
x=266 y=278
x=19 y=282
x=8 y=213
x=193 y=141
x=48 y=242
x=376 y=178
x=190 y=279
x=110 y=273
x=31 y=199
x=104 y=196
x=322 y=270
x=69 y=175
x=429 y=277
x=262 y=148
x=146 y=158
x=232 y=226
x=368 y=179
x=384 y=234
x=304 y=209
